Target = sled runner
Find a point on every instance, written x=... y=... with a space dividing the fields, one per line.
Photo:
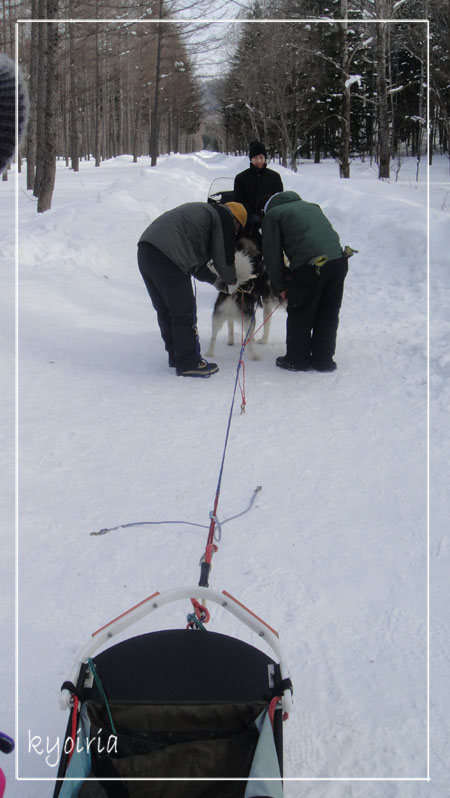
x=200 y=709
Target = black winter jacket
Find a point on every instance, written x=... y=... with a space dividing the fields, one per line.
x=253 y=183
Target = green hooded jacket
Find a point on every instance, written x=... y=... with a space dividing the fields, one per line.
x=300 y=230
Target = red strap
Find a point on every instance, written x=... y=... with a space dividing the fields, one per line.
x=201 y=612
x=272 y=708
x=242 y=389
x=74 y=726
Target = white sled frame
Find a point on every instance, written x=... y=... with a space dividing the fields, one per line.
x=158 y=600
x=219 y=186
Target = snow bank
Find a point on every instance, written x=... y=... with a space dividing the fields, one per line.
x=334 y=551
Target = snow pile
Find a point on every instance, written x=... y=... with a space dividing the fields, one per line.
x=333 y=552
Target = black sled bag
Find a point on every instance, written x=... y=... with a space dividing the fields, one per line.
x=175 y=714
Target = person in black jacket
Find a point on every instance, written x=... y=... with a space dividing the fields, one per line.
x=254 y=183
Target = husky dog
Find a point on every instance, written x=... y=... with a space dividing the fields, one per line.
x=253 y=289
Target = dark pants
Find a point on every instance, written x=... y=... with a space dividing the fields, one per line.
x=171 y=293
x=314 y=301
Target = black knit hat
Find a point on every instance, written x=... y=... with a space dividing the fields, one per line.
x=256 y=148
x=8 y=109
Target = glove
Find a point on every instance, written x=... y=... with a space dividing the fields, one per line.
x=221 y=286
x=253 y=218
x=224 y=288
x=205 y=275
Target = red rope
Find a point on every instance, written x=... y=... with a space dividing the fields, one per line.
x=264 y=322
x=73 y=731
x=201 y=611
x=272 y=708
x=242 y=388
x=241 y=362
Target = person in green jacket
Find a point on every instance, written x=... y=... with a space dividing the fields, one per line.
x=314 y=283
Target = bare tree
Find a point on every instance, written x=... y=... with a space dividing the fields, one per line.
x=344 y=149
x=383 y=116
x=31 y=131
x=154 y=134
x=41 y=95
x=74 y=132
x=49 y=163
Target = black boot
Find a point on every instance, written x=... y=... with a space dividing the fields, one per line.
x=202 y=369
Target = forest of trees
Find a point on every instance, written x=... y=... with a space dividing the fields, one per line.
x=126 y=80
x=101 y=89
x=344 y=90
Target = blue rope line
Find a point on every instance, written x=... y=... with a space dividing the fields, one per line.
x=219 y=481
x=236 y=382
x=188 y=523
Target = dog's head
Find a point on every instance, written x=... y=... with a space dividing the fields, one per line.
x=248 y=246
x=248 y=264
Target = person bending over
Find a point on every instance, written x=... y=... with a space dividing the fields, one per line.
x=175 y=246
x=314 y=283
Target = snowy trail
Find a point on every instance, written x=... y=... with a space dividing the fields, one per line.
x=333 y=552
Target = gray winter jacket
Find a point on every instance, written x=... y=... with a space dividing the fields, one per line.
x=193 y=234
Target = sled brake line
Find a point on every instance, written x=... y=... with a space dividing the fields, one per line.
x=211 y=548
x=201 y=615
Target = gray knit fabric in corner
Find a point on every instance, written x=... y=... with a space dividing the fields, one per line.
x=8 y=109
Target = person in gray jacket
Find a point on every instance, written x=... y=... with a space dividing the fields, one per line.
x=175 y=246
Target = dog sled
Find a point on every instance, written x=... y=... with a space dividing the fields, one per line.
x=221 y=190
x=176 y=713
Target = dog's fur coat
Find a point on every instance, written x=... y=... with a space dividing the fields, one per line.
x=253 y=289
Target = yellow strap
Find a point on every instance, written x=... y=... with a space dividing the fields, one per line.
x=318 y=261
x=348 y=251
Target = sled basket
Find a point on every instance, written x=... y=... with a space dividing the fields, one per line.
x=177 y=713
x=221 y=190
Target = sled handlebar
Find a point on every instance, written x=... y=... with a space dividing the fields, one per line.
x=158 y=600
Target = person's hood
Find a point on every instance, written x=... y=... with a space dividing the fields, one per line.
x=282 y=198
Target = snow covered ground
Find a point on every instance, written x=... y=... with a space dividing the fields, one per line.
x=334 y=551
